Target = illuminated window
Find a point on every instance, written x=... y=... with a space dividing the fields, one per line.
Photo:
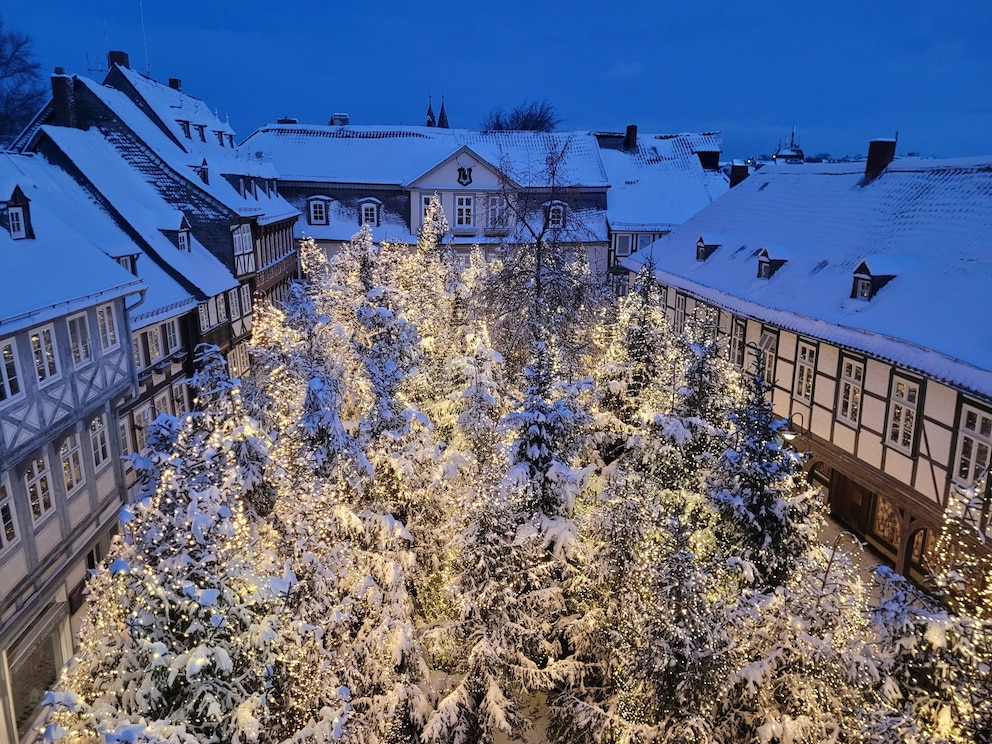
x=43 y=351
x=99 y=440
x=39 y=487
x=974 y=444
x=805 y=371
x=9 y=385
x=904 y=401
x=70 y=454
x=108 y=327
x=737 y=342
x=852 y=379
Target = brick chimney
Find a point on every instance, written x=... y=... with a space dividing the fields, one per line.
x=630 y=139
x=881 y=152
x=738 y=172
x=118 y=58
x=175 y=83
x=63 y=98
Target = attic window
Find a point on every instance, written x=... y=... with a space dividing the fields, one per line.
x=185 y=127
x=623 y=245
x=220 y=137
x=184 y=240
x=230 y=141
x=556 y=216
x=866 y=284
x=368 y=212
x=16 y=222
x=767 y=266
x=317 y=212
x=704 y=250
x=201 y=131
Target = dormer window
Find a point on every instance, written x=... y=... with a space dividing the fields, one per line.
x=623 y=241
x=368 y=212
x=230 y=141
x=556 y=216
x=704 y=250
x=184 y=125
x=15 y=219
x=203 y=172
x=317 y=211
x=767 y=266
x=220 y=137
x=201 y=131
x=866 y=284
x=184 y=240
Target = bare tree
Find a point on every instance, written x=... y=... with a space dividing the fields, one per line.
x=534 y=116
x=22 y=91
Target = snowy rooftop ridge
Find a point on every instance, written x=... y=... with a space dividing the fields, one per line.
x=924 y=222
x=394 y=155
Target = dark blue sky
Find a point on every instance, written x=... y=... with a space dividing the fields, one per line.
x=842 y=72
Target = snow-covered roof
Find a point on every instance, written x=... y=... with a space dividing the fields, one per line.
x=171 y=106
x=927 y=220
x=149 y=214
x=661 y=183
x=64 y=267
x=398 y=155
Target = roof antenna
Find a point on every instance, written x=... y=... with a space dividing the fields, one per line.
x=144 y=39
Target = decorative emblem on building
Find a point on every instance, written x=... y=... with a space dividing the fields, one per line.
x=464 y=175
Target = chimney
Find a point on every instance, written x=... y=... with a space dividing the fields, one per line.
x=286 y=120
x=339 y=120
x=738 y=172
x=63 y=98
x=118 y=58
x=630 y=139
x=881 y=152
x=175 y=83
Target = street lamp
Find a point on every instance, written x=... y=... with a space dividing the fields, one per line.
x=791 y=430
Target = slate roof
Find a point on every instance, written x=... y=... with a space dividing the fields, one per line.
x=928 y=221
x=64 y=267
x=141 y=206
x=398 y=155
x=661 y=183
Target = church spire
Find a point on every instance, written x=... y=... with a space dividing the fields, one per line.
x=442 y=117
x=430 y=112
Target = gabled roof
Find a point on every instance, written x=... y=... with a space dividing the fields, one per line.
x=185 y=159
x=63 y=268
x=397 y=155
x=927 y=220
x=463 y=151
x=148 y=214
x=661 y=183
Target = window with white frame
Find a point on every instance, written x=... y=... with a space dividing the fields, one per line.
x=498 y=217
x=154 y=344
x=71 y=456
x=99 y=441
x=37 y=480
x=767 y=355
x=904 y=400
x=805 y=371
x=245 y=299
x=15 y=219
x=318 y=212
x=464 y=211
x=862 y=288
x=850 y=390
x=203 y=314
x=108 y=326
x=234 y=301
x=172 y=336
x=425 y=201
x=180 y=398
x=556 y=216
x=139 y=356
x=221 y=308
x=974 y=444
x=10 y=387
x=622 y=244
x=125 y=438
x=43 y=350
x=370 y=213
x=644 y=240
x=79 y=339
x=8 y=519
x=163 y=403
x=184 y=240
x=738 y=329
x=237 y=360
x=142 y=420
x=679 y=312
